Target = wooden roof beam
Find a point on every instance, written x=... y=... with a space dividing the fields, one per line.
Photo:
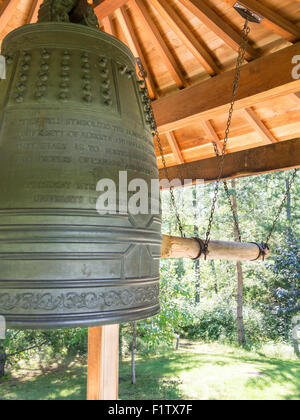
x=108 y=7
x=174 y=147
x=272 y=20
x=153 y=33
x=133 y=44
x=265 y=78
x=274 y=157
x=33 y=14
x=259 y=126
x=212 y=135
x=200 y=52
x=108 y=26
x=6 y=12
x=296 y=96
x=216 y=24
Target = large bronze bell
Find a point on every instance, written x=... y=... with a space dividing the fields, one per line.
x=72 y=113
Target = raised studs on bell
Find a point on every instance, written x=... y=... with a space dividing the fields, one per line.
x=44 y=77
x=103 y=62
x=106 y=94
x=63 y=96
x=104 y=73
x=108 y=102
x=45 y=55
x=66 y=55
x=19 y=98
x=23 y=77
x=123 y=69
x=40 y=95
x=87 y=98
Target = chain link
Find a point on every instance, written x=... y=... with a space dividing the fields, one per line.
x=155 y=133
x=240 y=61
x=234 y=214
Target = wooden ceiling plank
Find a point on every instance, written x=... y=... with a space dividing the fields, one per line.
x=107 y=7
x=265 y=78
x=108 y=26
x=215 y=23
x=272 y=19
x=200 y=52
x=212 y=135
x=175 y=148
x=134 y=45
x=7 y=12
x=265 y=159
x=34 y=11
x=259 y=126
x=296 y=96
x=156 y=37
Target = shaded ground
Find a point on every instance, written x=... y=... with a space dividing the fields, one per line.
x=196 y=371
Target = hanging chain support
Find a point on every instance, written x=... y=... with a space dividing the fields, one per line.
x=263 y=247
x=155 y=133
x=240 y=61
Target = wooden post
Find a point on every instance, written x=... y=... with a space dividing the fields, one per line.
x=103 y=363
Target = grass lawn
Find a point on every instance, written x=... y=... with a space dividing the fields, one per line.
x=196 y=371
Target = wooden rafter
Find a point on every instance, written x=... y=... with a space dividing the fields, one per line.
x=274 y=157
x=261 y=79
x=156 y=37
x=174 y=147
x=108 y=25
x=200 y=52
x=134 y=45
x=215 y=23
x=272 y=20
x=259 y=126
x=107 y=7
x=33 y=14
x=296 y=96
x=6 y=12
x=212 y=135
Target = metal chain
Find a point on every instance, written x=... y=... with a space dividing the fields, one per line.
x=240 y=61
x=148 y=107
x=234 y=214
x=155 y=133
x=291 y=181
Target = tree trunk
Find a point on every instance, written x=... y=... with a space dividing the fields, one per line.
x=197 y=262
x=177 y=341
x=240 y=318
x=295 y=336
x=213 y=268
x=133 y=375
x=2 y=361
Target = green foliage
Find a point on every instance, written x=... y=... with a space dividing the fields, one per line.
x=271 y=289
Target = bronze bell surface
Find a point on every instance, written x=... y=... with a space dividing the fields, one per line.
x=72 y=113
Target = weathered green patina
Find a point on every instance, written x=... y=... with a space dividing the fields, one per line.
x=72 y=113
